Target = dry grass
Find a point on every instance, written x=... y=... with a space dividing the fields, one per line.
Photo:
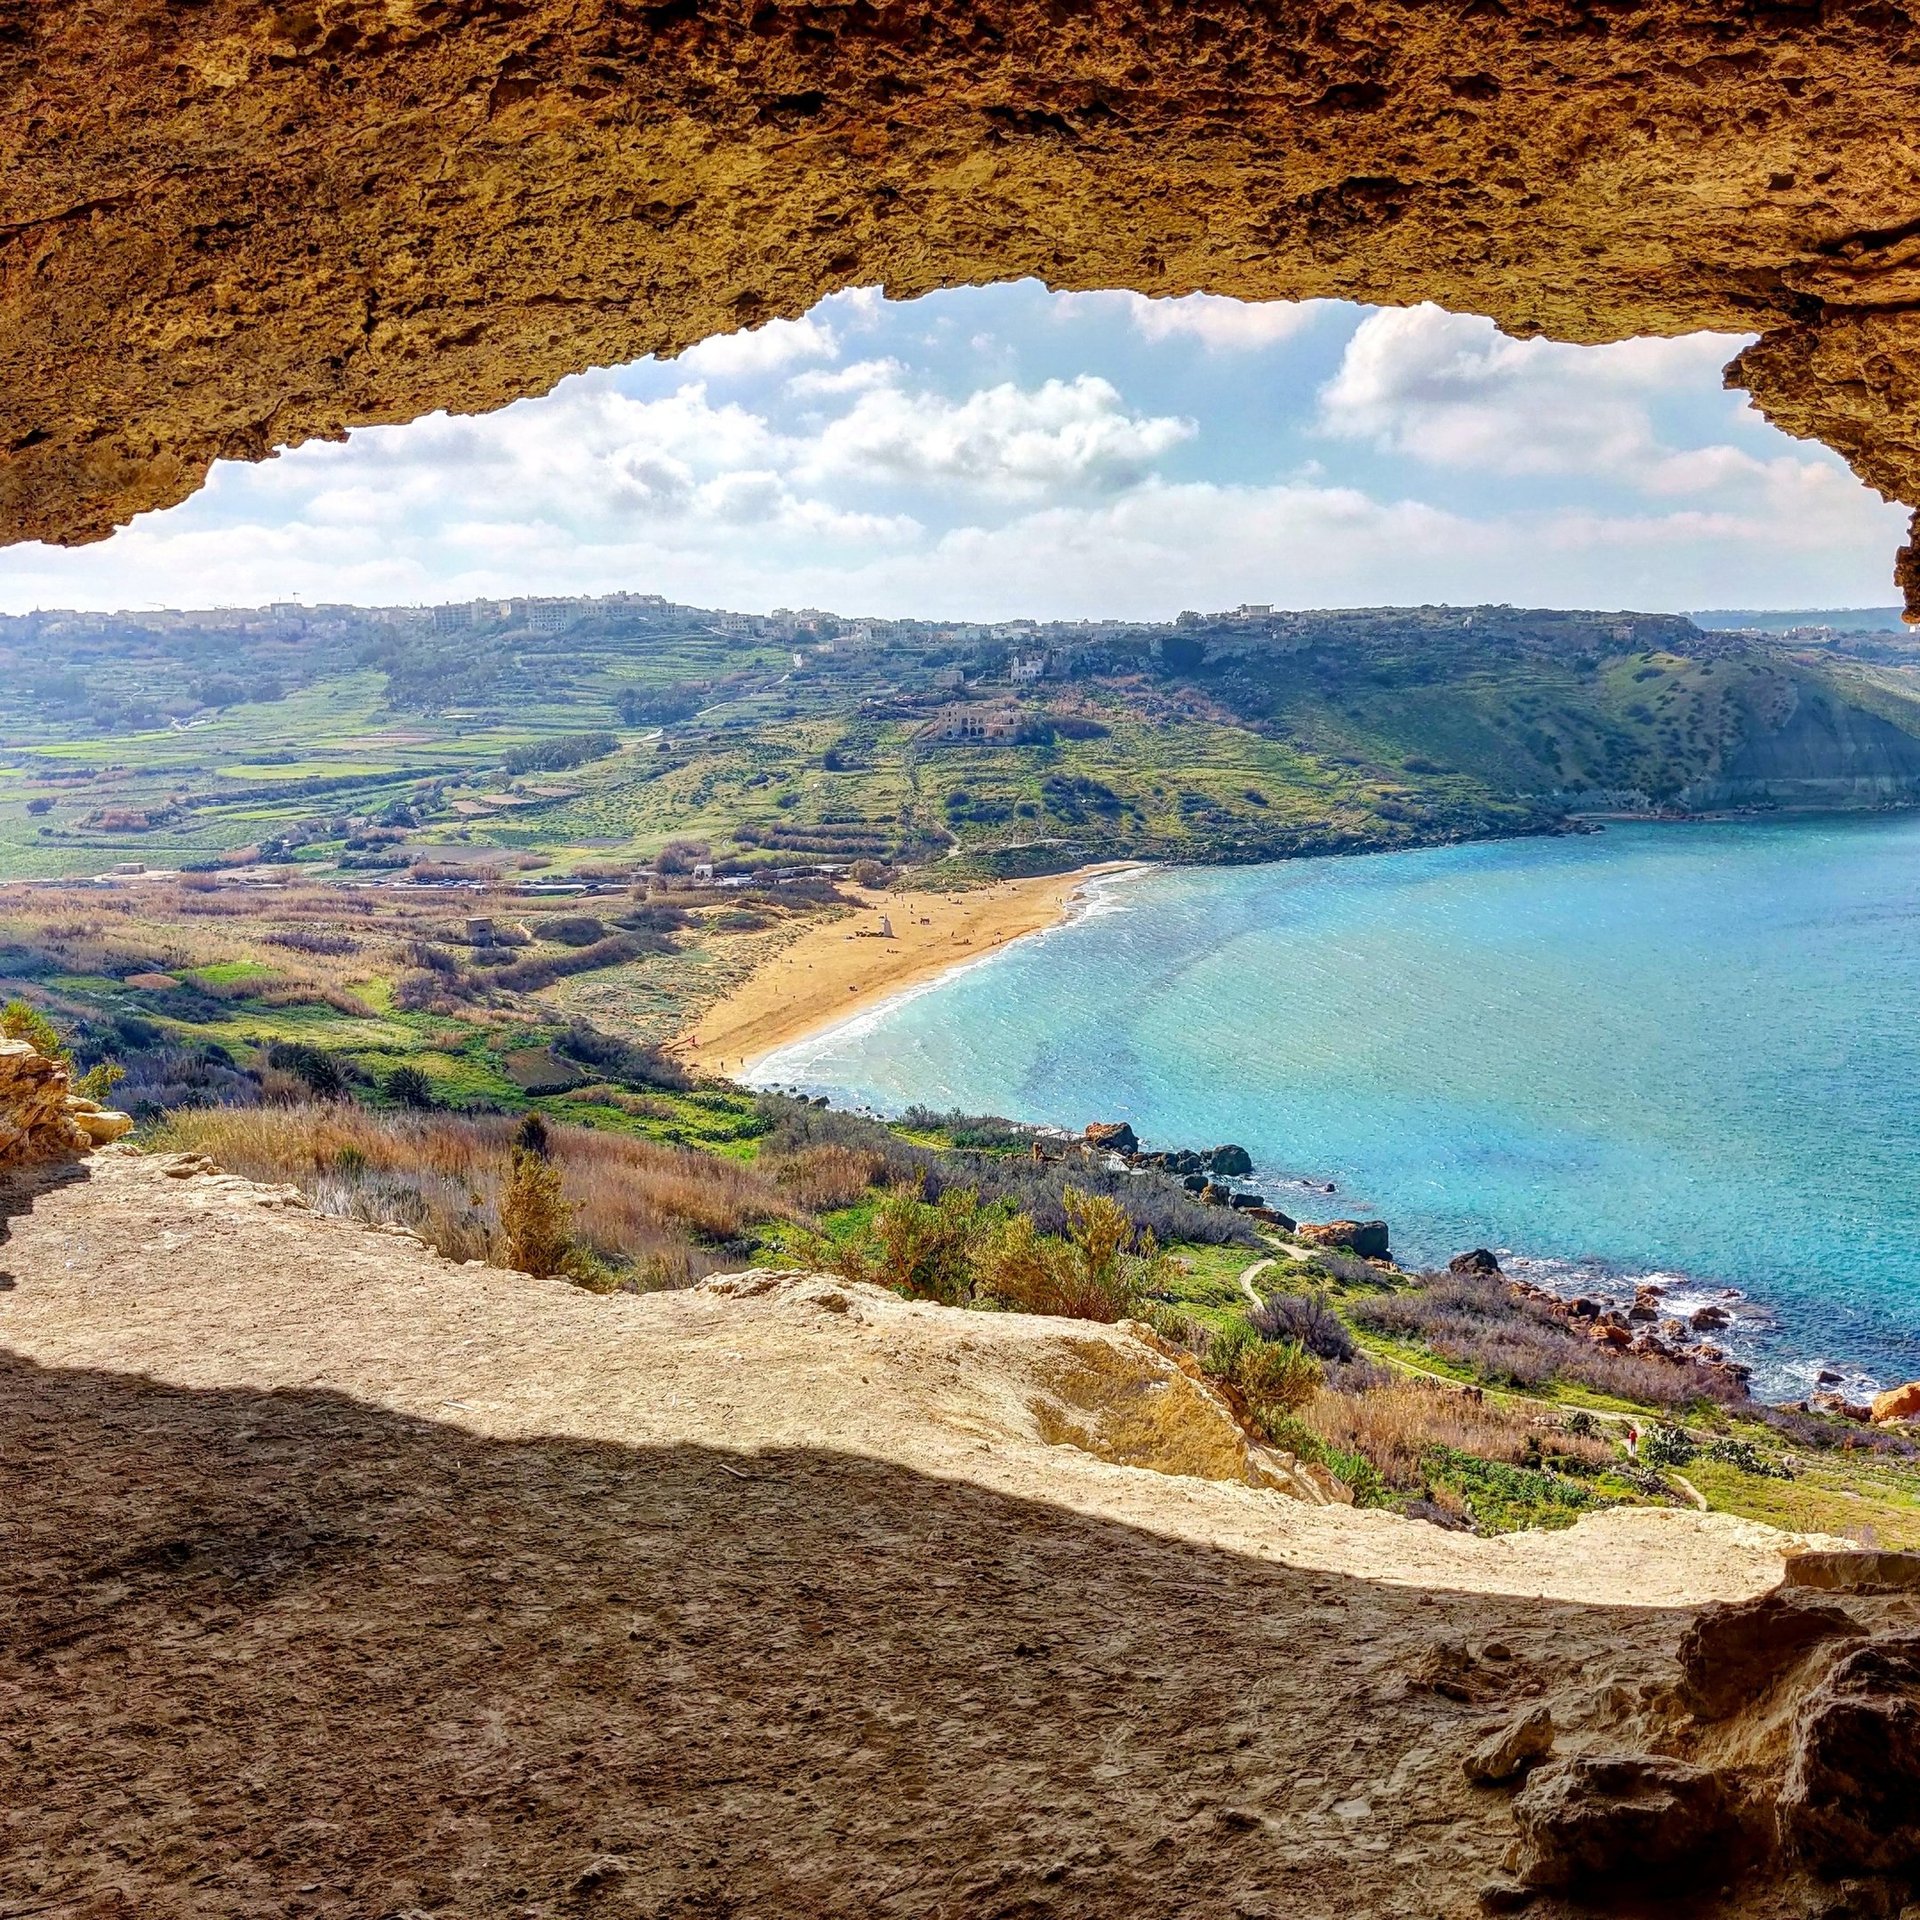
x=662 y=1215
x=823 y=1178
x=1396 y=1426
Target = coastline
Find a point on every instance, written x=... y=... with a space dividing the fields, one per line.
x=840 y=971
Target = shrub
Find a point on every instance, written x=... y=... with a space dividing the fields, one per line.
x=922 y=1248
x=535 y=1220
x=19 y=1021
x=1308 y=1320
x=574 y=929
x=1667 y=1447
x=410 y=1088
x=1277 y=1377
x=99 y=1080
x=317 y=1071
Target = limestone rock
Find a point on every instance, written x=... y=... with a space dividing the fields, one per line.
x=1897 y=1403
x=1507 y=1754
x=1851 y=1802
x=1367 y=1238
x=1230 y=1162
x=1838 y=1570
x=1112 y=1136
x=214 y=242
x=35 y=1123
x=1613 y=1820
x=1731 y=1655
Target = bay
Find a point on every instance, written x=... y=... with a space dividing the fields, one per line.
x=1690 y=1050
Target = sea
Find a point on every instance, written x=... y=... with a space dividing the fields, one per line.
x=1688 y=1052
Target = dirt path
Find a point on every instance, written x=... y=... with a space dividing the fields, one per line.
x=340 y=1581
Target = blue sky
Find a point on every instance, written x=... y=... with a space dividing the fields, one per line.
x=1000 y=451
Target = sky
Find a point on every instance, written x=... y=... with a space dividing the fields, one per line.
x=994 y=452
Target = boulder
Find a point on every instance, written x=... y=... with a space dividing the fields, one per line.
x=1234 y=1162
x=1480 y=1260
x=1851 y=1800
x=1272 y=1217
x=1702 y=1319
x=1897 y=1403
x=1246 y=1202
x=1196 y=1183
x=1367 y=1238
x=1504 y=1756
x=1111 y=1136
x=1733 y=1654
x=1613 y=1820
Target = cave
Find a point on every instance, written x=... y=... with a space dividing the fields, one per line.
x=228 y=228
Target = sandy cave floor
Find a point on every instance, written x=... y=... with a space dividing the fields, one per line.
x=340 y=1580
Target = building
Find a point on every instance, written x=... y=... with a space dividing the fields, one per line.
x=977 y=726
x=1028 y=668
x=551 y=616
x=453 y=617
x=950 y=679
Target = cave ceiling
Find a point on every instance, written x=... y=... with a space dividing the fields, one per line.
x=227 y=228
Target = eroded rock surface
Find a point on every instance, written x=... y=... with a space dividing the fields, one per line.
x=40 y=1118
x=228 y=227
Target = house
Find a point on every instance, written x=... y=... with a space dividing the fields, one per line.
x=977 y=726
x=950 y=679
x=1028 y=667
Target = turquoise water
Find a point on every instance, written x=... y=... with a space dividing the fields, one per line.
x=1691 y=1050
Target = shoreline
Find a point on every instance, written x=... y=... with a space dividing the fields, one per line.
x=845 y=970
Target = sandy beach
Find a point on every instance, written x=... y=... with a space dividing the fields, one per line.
x=834 y=971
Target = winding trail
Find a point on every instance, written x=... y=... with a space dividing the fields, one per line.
x=1685 y=1486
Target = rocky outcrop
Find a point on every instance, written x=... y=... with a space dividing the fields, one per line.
x=1480 y=1261
x=1896 y=1404
x=226 y=228
x=1367 y=1238
x=40 y=1119
x=1786 y=1754
x=1112 y=1136
x=1623 y=1820
x=1732 y=1655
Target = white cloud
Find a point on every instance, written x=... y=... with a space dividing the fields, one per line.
x=817 y=384
x=762 y=350
x=1221 y=324
x=1216 y=321
x=1452 y=390
x=1006 y=439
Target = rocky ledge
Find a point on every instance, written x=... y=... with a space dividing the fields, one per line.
x=41 y=1117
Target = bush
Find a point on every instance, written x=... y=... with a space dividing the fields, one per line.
x=1667 y=1447
x=1308 y=1320
x=19 y=1021
x=319 y=1072
x=922 y=1248
x=574 y=929
x=1098 y=1272
x=409 y=1087
x=535 y=1220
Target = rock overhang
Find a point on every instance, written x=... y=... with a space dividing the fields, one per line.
x=227 y=228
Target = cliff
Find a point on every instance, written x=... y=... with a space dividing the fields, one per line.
x=1820 y=753
x=345 y=1580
